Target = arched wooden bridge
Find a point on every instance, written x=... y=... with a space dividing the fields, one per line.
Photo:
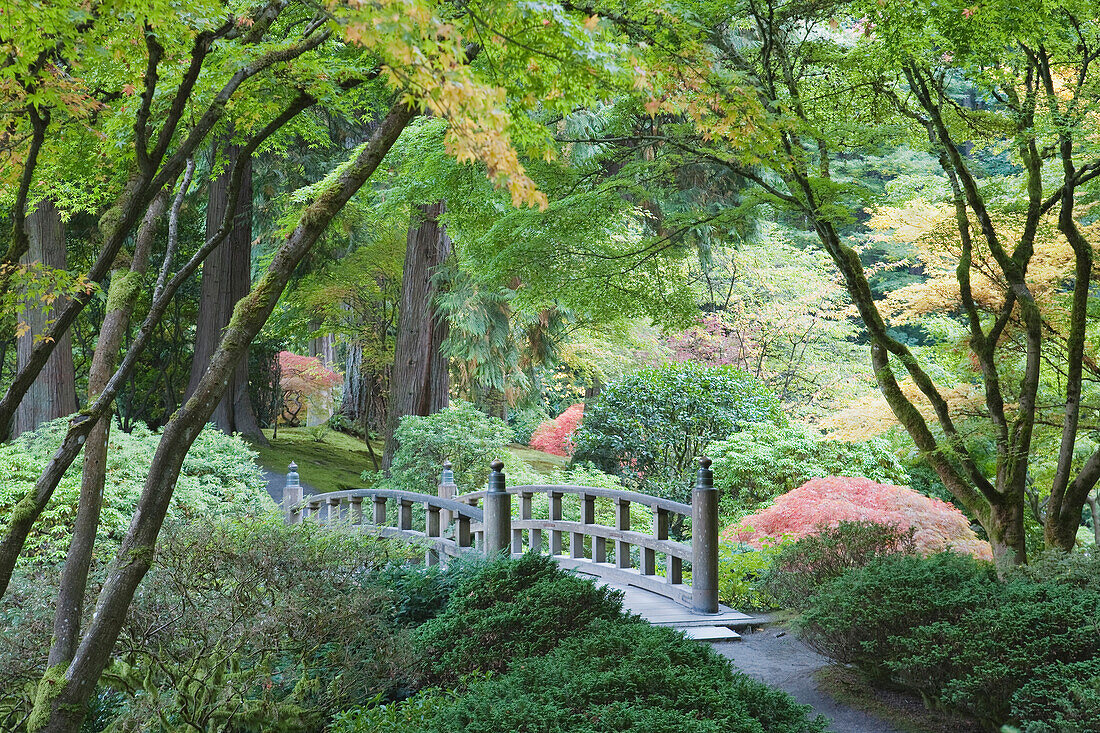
x=601 y=542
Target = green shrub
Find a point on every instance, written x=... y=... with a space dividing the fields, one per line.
x=523 y=423
x=219 y=478
x=650 y=426
x=799 y=569
x=1060 y=698
x=1021 y=650
x=741 y=573
x=767 y=460
x=468 y=438
x=258 y=626
x=510 y=609
x=616 y=675
x=863 y=615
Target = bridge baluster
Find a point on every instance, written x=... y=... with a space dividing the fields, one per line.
x=622 y=521
x=431 y=528
x=379 y=510
x=524 y=513
x=405 y=514
x=315 y=509
x=355 y=510
x=588 y=516
x=333 y=511
x=462 y=532
x=555 y=514
x=447 y=490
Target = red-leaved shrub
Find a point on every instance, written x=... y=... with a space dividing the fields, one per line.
x=825 y=502
x=556 y=436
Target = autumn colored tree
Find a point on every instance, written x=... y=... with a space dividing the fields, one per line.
x=557 y=436
x=826 y=502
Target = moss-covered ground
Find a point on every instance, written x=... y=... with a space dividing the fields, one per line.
x=335 y=462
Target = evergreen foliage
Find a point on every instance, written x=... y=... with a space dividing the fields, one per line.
x=650 y=426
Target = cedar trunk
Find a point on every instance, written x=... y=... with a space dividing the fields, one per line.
x=420 y=383
x=226 y=278
x=53 y=393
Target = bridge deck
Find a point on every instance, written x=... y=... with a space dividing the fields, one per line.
x=663 y=611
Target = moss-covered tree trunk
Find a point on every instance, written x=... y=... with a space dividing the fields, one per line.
x=121 y=298
x=64 y=691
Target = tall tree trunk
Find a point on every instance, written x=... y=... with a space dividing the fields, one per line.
x=226 y=278
x=121 y=297
x=53 y=393
x=420 y=383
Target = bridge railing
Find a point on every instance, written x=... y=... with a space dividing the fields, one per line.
x=483 y=520
x=346 y=508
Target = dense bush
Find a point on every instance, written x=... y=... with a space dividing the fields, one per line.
x=650 y=426
x=1022 y=650
x=825 y=502
x=798 y=569
x=506 y=610
x=618 y=675
x=259 y=626
x=462 y=434
x=557 y=436
x=742 y=571
x=240 y=625
x=219 y=478
x=767 y=460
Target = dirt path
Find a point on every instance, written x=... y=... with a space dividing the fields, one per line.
x=777 y=658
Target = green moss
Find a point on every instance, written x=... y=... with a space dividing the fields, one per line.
x=51 y=685
x=333 y=464
x=124 y=290
x=142 y=555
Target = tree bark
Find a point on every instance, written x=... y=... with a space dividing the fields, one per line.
x=122 y=295
x=226 y=278
x=420 y=383
x=53 y=393
x=63 y=693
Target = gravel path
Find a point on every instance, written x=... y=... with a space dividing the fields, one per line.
x=777 y=658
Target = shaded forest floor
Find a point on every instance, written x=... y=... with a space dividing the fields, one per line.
x=336 y=462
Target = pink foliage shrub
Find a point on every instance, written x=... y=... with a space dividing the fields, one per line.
x=305 y=374
x=825 y=502
x=556 y=436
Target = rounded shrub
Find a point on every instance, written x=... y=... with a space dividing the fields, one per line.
x=461 y=434
x=617 y=675
x=650 y=426
x=766 y=460
x=510 y=609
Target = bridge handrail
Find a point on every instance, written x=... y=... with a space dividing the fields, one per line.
x=654 y=502
x=414 y=497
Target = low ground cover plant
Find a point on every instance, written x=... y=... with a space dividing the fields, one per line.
x=525 y=646
x=219 y=478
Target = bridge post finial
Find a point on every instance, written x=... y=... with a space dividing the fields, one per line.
x=704 y=541
x=498 y=513
x=292 y=495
